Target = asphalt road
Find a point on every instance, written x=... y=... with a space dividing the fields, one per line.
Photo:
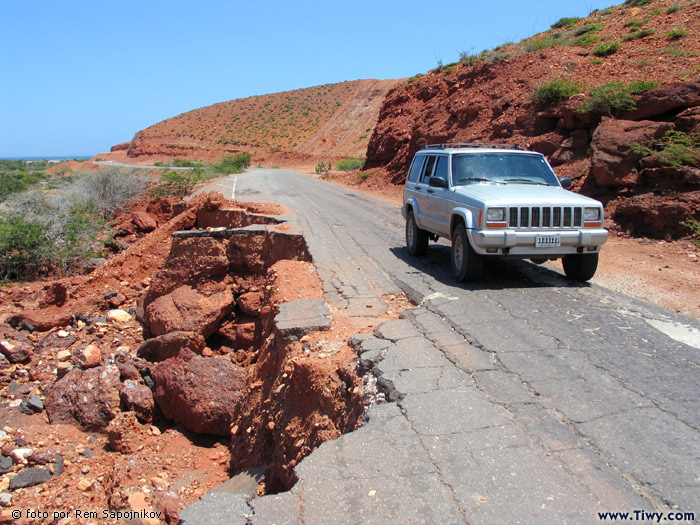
x=520 y=398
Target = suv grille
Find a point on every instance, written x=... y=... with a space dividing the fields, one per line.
x=545 y=217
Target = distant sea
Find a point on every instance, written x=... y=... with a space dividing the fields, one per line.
x=50 y=157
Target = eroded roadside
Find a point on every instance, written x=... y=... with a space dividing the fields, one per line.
x=202 y=351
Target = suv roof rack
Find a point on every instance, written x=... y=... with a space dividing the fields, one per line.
x=471 y=145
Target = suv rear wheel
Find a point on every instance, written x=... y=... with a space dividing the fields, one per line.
x=466 y=263
x=580 y=267
x=416 y=239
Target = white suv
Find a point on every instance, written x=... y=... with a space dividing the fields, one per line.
x=498 y=200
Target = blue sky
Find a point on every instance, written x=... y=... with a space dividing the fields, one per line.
x=83 y=75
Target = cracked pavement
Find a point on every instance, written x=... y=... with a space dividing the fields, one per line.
x=521 y=398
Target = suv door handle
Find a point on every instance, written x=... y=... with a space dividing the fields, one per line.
x=431 y=191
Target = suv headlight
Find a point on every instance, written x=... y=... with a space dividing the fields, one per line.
x=496 y=214
x=591 y=214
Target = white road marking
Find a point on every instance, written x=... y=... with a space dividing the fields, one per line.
x=233 y=190
x=678 y=331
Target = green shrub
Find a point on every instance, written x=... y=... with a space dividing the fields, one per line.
x=587 y=28
x=694 y=227
x=566 y=22
x=24 y=246
x=634 y=25
x=675 y=149
x=637 y=88
x=676 y=34
x=638 y=3
x=185 y=163
x=233 y=163
x=606 y=48
x=350 y=164
x=541 y=42
x=557 y=89
x=609 y=99
x=638 y=34
x=585 y=40
x=673 y=9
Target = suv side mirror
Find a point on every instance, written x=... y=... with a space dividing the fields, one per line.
x=437 y=182
x=565 y=182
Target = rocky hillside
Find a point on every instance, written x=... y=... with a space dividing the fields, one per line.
x=329 y=121
x=648 y=48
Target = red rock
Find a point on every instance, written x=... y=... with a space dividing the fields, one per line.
x=665 y=99
x=90 y=356
x=169 y=345
x=117 y=300
x=198 y=392
x=144 y=222
x=188 y=310
x=125 y=433
x=55 y=294
x=16 y=351
x=614 y=163
x=251 y=303
x=43 y=320
x=87 y=398
x=139 y=398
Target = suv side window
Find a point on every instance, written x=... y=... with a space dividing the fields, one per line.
x=441 y=168
x=414 y=172
x=428 y=169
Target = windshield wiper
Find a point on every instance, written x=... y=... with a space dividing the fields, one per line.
x=527 y=181
x=480 y=179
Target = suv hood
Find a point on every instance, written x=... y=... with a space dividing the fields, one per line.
x=514 y=194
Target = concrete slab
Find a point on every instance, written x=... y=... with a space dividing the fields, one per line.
x=299 y=317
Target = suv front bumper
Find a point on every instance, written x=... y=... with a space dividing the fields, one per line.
x=522 y=243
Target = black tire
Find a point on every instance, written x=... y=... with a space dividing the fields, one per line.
x=466 y=263
x=580 y=267
x=416 y=239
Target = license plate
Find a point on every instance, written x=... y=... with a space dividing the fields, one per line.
x=547 y=241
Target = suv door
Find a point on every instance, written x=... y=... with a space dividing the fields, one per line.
x=435 y=207
x=421 y=193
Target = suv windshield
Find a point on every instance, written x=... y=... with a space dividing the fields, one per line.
x=503 y=168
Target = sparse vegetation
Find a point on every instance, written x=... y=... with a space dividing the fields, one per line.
x=674 y=149
x=557 y=89
x=694 y=227
x=43 y=233
x=637 y=88
x=673 y=9
x=566 y=22
x=606 y=48
x=609 y=99
x=350 y=164
x=638 y=3
x=676 y=34
x=638 y=34
x=233 y=163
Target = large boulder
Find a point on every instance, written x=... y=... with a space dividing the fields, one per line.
x=191 y=260
x=198 y=392
x=44 y=319
x=87 y=398
x=658 y=216
x=614 y=164
x=169 y=345
x=189 y=310
x=665 y=100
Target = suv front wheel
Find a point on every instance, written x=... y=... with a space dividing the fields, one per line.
x=416 y=239
x=466 y=263
x=580 y=267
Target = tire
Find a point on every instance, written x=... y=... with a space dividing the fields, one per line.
x=416 y=239
x=580 y=267
x=466 y=263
